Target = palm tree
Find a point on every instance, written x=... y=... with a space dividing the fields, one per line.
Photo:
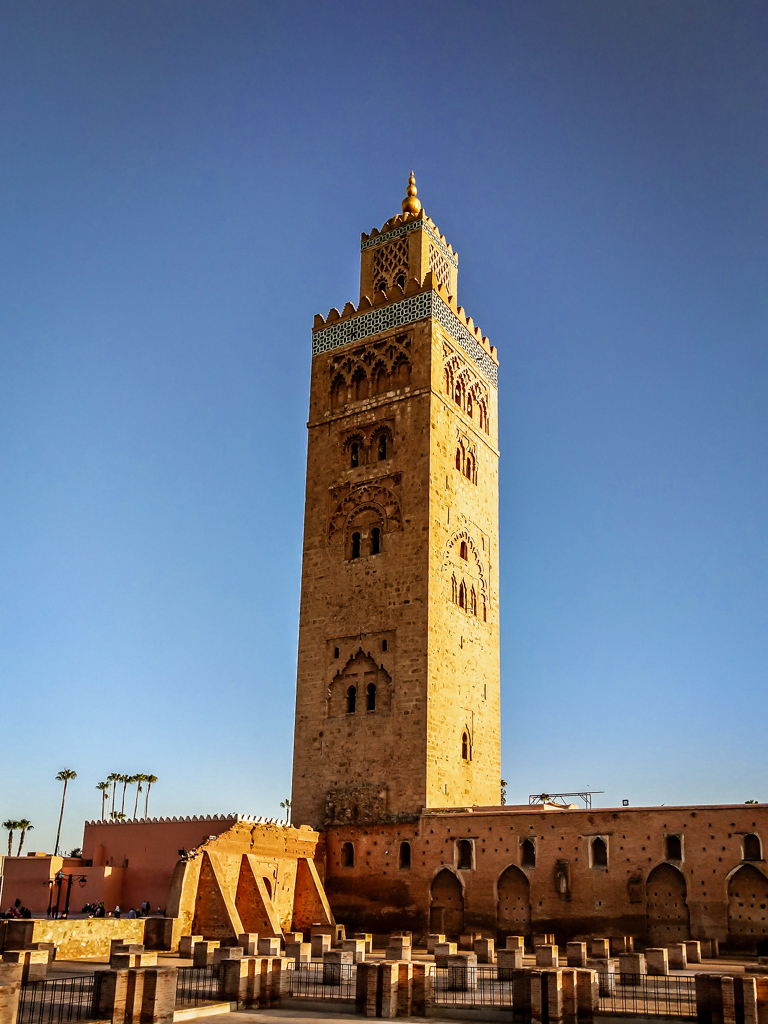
x=114 y=778
x=151 y=779
x=287 y=805
x=117 y=816
x=125 y=779
x=63 y=776
x=138 y=778
x=24 y=826
x=104 y=787
x=12 y=827
x=503 y=792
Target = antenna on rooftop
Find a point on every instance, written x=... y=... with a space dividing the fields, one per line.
x=563 y=799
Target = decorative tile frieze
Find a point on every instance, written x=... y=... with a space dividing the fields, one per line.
x=369 y=243
x=399 y=314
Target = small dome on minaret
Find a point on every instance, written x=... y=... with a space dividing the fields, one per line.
x=411 y=204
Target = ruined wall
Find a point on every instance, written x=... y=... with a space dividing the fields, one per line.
x=255 y=877
x=668 y=873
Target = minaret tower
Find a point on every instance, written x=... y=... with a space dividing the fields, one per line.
x=397 y=700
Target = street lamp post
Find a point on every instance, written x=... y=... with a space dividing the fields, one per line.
x=60 y=876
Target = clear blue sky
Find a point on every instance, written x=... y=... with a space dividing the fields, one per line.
x=183 y=186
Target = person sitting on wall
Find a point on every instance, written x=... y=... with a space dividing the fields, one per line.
x=132 y=913
x=116 y=912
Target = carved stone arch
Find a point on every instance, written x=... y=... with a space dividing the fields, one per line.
x=338 y=391
x=347 y=450
x=383 y=431
x=361 y=672
x=364 y=513
x=454 y=541
x=360 y=384
x=363 y=494
x=401 y=371
x=380 y=378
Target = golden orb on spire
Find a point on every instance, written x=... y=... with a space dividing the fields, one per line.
x=411 y=204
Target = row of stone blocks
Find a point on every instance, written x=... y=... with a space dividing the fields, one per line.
x=389 y=989
x=205 y=953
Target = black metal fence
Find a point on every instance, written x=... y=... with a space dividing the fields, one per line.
x=58 y=1000
x=482 y=985
x=322 y=981
x=195 y=985
x=648 y=996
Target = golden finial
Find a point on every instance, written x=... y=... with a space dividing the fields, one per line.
x=411 y=204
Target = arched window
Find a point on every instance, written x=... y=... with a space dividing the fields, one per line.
x=752 y=847
x=468 y=468
x=354 y=454
x=485 y=612
x=347 y=855
x=672 y=848
x=382 y=447
x=528 y=854
x=473 y=601
x=469 y=404
x=375 y=540
x=457 y=394
x=465 y=746
x=361 y=387
x=599 y=853
x=458 y=459
x=464 y=854
x=400 y=280
x=370 y=697
x=338 y=393
x=381 y=285
x=463 y=595
x=404 y=860
x=355 y=545
x=454 y=590
x=402 y=372
x=351 y=700
x=463 y=550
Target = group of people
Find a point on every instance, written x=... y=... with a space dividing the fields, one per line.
x=17 y=910
x=93 y=909
x=144 y=911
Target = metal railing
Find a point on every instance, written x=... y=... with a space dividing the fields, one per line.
x=195 y=985
x=58 y=1000
x=481 y=985
x=322 y=981
x=647 y=996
